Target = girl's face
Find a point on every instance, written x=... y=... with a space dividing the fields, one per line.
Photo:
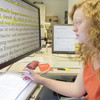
x=81 y=25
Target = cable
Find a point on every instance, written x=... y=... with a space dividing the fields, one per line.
x=9 y=68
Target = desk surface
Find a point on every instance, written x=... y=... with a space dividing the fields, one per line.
x=48 y=57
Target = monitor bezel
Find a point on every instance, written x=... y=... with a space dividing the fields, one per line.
x=6 y=64
x=60 y=52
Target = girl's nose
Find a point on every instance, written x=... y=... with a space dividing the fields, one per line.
x=75 y=28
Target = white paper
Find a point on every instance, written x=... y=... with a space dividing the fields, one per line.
x=12 y=85
x=26 y=59
x=65 y=64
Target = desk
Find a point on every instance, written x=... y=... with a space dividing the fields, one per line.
x=46 y=57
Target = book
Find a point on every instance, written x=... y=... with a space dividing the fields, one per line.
x=44 y=67
x=12 y=86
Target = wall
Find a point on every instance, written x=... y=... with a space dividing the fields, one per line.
x=55 y=8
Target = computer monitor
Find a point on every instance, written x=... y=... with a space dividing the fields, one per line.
x=19 y=30
x=63 y=39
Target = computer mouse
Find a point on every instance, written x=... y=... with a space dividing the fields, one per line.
x=33 y=65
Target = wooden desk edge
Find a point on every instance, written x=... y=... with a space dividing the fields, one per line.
x=71 y=72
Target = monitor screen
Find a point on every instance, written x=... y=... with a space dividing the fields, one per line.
x=19 y=30
x=63 y=39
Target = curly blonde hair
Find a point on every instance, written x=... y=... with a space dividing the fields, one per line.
x=91 y=9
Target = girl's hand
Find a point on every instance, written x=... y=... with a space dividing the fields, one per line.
x=28 y=74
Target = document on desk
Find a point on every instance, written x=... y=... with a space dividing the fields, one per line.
x=40 y=59
x=12 y=85
x=65 y=64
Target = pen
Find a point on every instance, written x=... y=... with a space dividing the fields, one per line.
x=28 y=72
x=61 y=68
x=66 y=69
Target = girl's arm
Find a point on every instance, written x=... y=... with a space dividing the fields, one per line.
x=72 y=89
